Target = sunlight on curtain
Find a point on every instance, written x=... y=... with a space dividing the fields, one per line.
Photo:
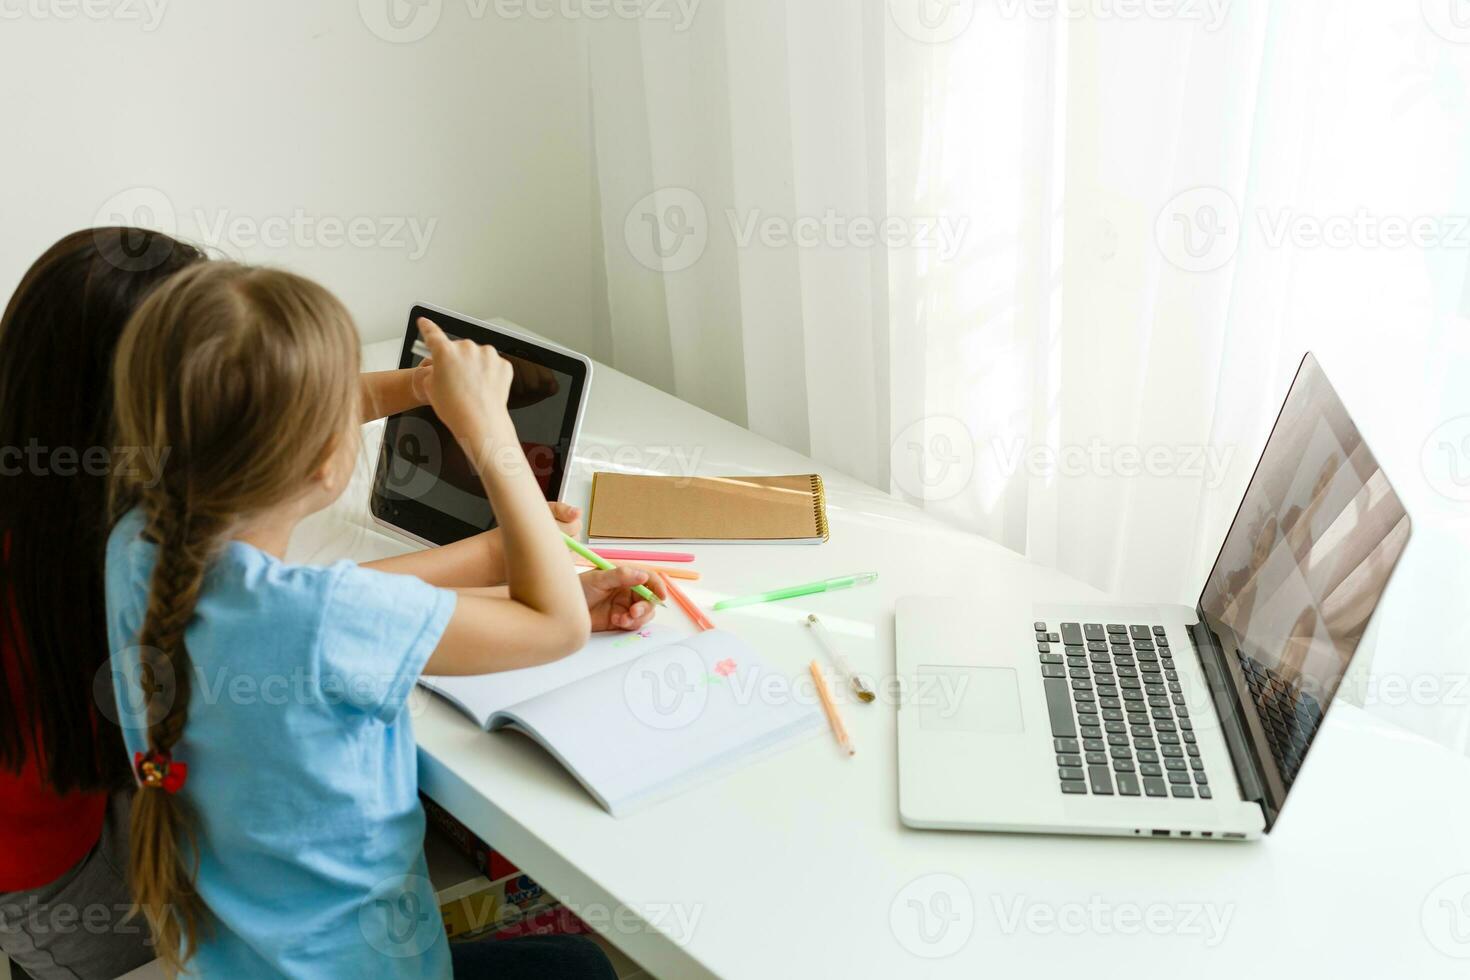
x=1102 y=258
x=970 y=142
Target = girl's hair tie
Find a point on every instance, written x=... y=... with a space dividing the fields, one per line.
x=158 y=770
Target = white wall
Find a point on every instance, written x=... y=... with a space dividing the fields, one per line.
x=266 y=111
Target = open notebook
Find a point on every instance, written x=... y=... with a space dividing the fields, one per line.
x=637 y=717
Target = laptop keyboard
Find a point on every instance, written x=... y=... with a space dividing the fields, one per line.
x=1118 y=719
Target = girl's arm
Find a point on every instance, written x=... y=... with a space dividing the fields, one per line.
x=543 y=616
x=475 y=562
x=386 y=393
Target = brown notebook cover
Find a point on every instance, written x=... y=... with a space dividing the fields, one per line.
x=783 y=509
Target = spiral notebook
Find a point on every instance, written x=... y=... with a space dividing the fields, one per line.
x=639 y=717
x=627 y=507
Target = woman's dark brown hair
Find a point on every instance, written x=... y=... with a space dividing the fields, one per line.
x=57 y=341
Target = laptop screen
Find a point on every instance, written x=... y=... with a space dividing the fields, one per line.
x=1302 y=568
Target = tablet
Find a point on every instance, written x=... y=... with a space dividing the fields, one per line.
x=424 y=485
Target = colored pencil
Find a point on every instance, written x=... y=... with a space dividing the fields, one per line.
x=687 y=604
x=792 y=591
x=607 y=566
x=622 y=554
x=838 y=728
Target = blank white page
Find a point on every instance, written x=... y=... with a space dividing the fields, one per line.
x=674 y=715
x=481 y=695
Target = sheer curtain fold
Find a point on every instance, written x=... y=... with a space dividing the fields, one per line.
x=733 y=161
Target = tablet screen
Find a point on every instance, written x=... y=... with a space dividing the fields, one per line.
x=426 y=484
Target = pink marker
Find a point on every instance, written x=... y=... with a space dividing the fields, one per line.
x=619 y=554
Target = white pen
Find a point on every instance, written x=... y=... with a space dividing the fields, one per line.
x=864 y=693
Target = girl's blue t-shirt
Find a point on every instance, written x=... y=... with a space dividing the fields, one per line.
x=303 y=775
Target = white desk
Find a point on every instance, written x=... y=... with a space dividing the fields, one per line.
x=797 y=866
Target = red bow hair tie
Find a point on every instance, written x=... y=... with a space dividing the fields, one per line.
x=158 y=770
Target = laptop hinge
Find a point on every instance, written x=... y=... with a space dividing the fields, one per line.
x=1232 y=719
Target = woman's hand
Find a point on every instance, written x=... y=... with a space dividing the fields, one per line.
x=533 y=383
x=611 y=602
x=418 y=379
x=567 y=517
x=386 y=393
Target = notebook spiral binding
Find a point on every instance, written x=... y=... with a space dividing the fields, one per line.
x=819 y=504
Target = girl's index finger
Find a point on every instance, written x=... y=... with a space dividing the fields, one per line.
x=657 y=585
x=434 y=338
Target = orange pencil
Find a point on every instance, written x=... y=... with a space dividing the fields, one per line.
x=686 y=604
x=838 y=728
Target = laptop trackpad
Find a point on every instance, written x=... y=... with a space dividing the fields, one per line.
x=969 y=699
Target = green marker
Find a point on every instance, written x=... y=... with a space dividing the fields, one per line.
x=791 y=592
x=607 y=566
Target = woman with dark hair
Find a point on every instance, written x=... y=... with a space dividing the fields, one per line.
x=63 y=897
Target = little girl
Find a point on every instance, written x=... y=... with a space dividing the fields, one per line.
x=277 y=829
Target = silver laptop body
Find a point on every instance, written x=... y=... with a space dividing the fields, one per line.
x=1022 y=714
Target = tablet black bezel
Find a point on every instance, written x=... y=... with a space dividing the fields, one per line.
x=419 y=520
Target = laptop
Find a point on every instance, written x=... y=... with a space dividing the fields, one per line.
x=1026 y=715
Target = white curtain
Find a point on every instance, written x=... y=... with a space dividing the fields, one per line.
x=1050 y=273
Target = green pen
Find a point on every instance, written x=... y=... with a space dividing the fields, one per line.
x=792 y=591
x=607 y=566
